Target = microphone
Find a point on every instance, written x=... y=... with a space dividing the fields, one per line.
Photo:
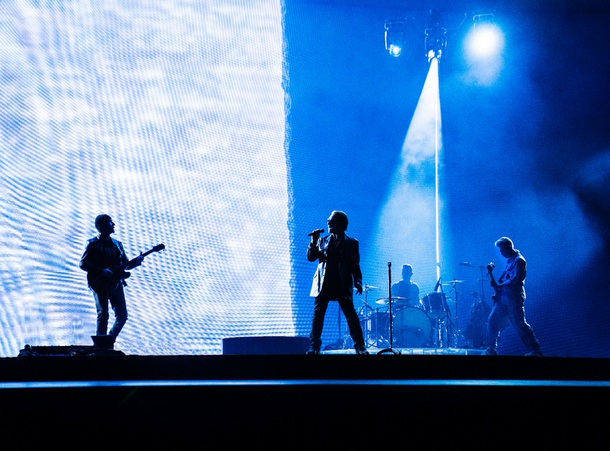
x=316 y=232
x=465 y=264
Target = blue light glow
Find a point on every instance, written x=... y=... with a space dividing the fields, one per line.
x=484 y=41
x=484 y=50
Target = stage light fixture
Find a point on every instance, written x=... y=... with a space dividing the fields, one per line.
x=482 y=19
x=436 y=42
x=489 y=36
x=436 y=36
x=485 y=40
x=394 y=37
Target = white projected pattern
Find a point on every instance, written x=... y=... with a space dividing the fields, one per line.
x=170 y=117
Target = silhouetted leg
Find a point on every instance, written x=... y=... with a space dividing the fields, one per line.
x=101 y=305
x=523 y=328
x=317 y=323
x=496 y=323
x=119 y=306
x=353 y=322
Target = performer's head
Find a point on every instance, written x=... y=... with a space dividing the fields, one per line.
x=337 y=222
x=104 y=224
x=407 y=271
x=506 y=246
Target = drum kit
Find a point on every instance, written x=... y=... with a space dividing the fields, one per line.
x=423 y=324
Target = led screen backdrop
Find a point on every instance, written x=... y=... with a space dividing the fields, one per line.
x=227 y=130
x=170 y=117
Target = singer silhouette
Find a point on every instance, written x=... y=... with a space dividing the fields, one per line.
x=336 y=276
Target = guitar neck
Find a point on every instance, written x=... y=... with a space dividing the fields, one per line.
x=97 y=282
x=494 y=283
x=147 y=253
x=133 y=260
x=493 y=279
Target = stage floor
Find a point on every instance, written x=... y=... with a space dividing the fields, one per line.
x=446 y=397
x=409 y=351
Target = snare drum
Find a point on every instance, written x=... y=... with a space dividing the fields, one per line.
x=411 y=328
x=435 y=304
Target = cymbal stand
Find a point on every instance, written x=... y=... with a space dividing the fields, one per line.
x=378 y=337
x=366 y=314
x=484 y=277
x=438 y=332
x=441 y=324
x=454 y=325
x=390 y=349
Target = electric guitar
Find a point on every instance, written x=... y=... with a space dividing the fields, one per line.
x=98 y=282
x=494 y=284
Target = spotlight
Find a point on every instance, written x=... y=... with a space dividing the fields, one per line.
x=485 y=40
x=436 y=42
x=394 y=37
x=436 y=37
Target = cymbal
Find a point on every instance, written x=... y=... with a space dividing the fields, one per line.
x=384 y=301
x=367 y=288
x=451 y=282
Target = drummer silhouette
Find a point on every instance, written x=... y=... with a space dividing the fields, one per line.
x=405 y=291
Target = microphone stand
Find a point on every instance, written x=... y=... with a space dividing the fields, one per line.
x=453 y=326
x=390 y=349
x=439 y=322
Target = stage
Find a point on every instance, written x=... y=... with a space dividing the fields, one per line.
x=269 y=399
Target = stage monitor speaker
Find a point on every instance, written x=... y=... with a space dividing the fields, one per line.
x=265 y=345
x=65 y=351
x=103 y=341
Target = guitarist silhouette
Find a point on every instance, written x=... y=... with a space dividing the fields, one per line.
x=107 y=267
x=509 y=300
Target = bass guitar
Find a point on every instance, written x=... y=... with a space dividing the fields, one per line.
x=119 y=273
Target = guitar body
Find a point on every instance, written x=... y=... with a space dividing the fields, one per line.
x=99 y=283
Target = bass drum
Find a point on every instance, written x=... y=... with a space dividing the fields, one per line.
x=377 y=323
x=412 y=328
